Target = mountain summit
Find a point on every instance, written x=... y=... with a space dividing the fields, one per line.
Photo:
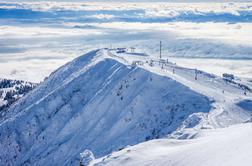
x=108 y=99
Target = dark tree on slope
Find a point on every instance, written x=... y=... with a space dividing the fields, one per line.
x=11 y=91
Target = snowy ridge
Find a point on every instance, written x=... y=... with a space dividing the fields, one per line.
x=225 y=95
x=105 y=100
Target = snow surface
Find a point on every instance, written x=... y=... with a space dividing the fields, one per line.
x=101 y=101
x=227 y=147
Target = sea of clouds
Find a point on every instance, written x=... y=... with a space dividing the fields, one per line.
x=37 y=37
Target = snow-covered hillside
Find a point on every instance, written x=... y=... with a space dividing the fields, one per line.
x=11 y=91
x=106 y=100
x=227 y=147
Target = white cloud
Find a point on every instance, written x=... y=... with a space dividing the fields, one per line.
x=35 y=47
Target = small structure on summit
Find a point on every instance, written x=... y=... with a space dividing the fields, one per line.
x=121 y=50
x=135 y=63
x=162 y=61
x=228 y=77
x=132 y=49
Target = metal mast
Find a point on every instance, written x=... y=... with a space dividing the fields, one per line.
x=160 y=56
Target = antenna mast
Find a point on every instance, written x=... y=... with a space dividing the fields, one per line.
x=160 y=56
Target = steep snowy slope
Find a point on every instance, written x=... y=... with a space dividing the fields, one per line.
x=101 y=102
x=11 y=91
x=95 y=103
x=227 y=147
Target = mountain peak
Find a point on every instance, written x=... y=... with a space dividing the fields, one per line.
x=106 y=100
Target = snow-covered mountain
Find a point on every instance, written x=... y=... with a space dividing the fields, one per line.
x=108 y=99
x=227 y=147
x=11 y=91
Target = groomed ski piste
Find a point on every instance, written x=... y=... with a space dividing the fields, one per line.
x=226 y=96
x=109 y=99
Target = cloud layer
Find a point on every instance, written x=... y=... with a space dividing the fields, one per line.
x=37 y=37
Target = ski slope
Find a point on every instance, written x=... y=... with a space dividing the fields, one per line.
x=227 y=147
x=104 y=101
x=225 y=95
